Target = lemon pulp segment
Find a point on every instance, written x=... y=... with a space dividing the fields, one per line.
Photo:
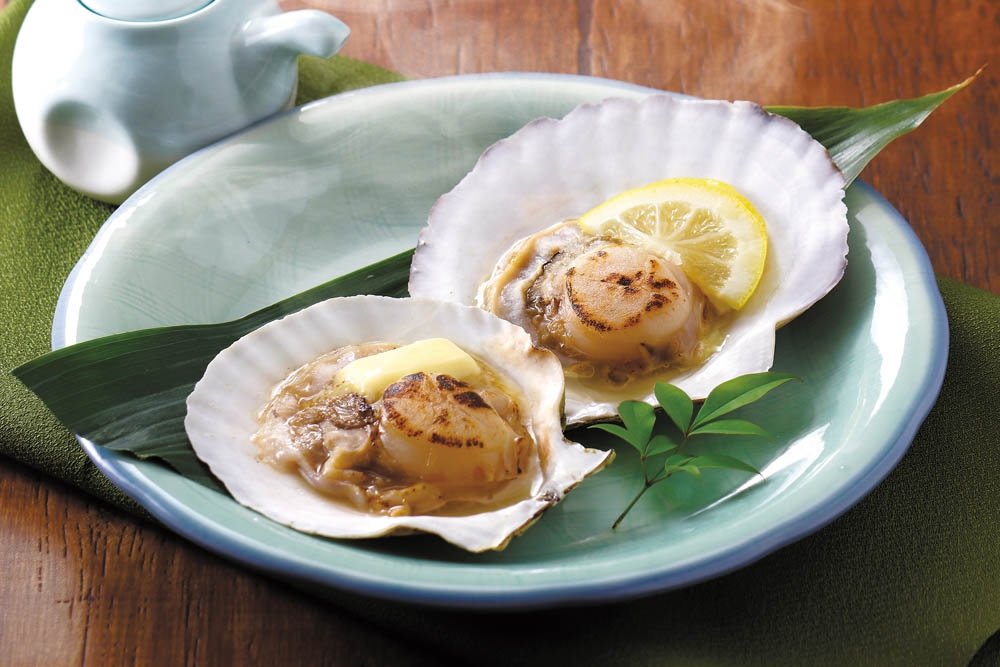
x=716 y=236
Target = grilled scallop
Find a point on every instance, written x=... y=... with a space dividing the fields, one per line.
x=629 y=301
x=369 y=416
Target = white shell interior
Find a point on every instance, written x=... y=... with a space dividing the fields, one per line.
x=551 y=170
x=222 y=409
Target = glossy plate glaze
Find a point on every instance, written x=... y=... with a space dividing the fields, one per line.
x=345 y=181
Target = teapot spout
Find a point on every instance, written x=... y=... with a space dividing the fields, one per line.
x=303 y=31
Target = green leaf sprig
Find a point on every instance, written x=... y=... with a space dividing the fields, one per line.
x=639 y=419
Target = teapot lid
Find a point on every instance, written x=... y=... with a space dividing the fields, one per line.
x=144 y=10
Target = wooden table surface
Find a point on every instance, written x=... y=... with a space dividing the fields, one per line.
x=87 y=584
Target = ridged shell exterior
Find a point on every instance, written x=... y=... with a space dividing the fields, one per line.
x=552 y=170
x=237 y=383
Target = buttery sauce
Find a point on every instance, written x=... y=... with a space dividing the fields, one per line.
x=430 y=443
x=532 y=286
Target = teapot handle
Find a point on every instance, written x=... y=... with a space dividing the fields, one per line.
x=89 y=149
x=303 y=31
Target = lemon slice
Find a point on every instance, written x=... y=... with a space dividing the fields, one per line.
x=715 y=234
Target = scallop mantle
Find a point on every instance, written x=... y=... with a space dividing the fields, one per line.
x=552 y=170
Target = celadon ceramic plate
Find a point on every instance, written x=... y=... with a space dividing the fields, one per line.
x=345 y=181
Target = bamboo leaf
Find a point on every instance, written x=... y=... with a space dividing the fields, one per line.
x=738 y=392
x=855 y=136
x=127 y=391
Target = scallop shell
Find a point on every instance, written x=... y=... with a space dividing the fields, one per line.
x=552 y=170
x=237 y=383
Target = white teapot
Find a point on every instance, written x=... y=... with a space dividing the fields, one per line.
x=110 y=92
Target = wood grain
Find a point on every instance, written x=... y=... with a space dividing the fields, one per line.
x=811 y=52
x=87 y=585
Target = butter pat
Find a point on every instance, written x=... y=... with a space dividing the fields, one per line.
x=369 y=376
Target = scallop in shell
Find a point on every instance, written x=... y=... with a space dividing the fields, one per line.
x=553 y=171
x=475 y=459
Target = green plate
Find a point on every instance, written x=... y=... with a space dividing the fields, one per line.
x=345 y=181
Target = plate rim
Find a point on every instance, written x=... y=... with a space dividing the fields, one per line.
x=210 y=535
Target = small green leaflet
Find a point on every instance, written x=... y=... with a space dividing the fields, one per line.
x=676 y=404
x=639 y=419
x=736 y=393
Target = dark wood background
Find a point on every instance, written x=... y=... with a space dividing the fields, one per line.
x=86 y=584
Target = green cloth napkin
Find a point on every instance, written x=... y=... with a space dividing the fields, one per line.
x=909 y=576
x=45 y=228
